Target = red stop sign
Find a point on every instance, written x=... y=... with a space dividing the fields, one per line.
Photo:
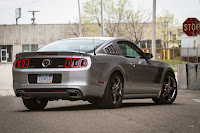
x=191 y=26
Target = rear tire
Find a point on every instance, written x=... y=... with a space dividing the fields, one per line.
x=113 y=94
x=168 y=92
x=94 y=101
x=35 y=104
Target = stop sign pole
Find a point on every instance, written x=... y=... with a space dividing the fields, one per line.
x=191 y=27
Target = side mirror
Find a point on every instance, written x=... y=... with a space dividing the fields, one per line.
x=149 y=55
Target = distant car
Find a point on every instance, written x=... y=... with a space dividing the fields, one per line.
x=101 y=70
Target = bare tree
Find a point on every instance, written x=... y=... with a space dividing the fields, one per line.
x=120 y=19
x=137 y=25
x=115 y=13
x=75 y=29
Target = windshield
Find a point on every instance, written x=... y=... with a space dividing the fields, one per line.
x=86 y=45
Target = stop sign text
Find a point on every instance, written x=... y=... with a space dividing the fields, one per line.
x=191 y=27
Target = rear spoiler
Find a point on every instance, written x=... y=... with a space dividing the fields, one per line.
x=32 y=54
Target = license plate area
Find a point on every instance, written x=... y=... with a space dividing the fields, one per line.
x=47 y=79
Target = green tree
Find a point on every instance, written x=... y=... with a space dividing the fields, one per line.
x=166 y=26
x=166 y=21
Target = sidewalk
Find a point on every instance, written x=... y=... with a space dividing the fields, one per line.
x=6 y=81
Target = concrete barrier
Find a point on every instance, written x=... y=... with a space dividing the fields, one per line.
x=188 y=76
x=181 y=76
x=193 y=76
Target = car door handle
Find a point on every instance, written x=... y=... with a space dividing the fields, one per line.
x=132 y=64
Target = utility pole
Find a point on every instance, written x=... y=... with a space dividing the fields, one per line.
x=80 y=27
x=102 y=20
x=33 y=19
x=153 y=46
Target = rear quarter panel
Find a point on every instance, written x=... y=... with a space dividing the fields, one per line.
x=105 y=65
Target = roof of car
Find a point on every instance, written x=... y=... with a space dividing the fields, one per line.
x=96 y=38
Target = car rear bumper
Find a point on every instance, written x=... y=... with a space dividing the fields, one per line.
x=84 y=81
x=70 y=94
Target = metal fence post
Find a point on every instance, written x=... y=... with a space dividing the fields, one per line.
x=180 y=54
x=173 y=56
x=188 y=54
x=197 y=54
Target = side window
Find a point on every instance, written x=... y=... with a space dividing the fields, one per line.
x=130 y=50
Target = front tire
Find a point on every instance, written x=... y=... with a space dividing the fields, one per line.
x=168 y=92
x=35 y=104
x=113 y=94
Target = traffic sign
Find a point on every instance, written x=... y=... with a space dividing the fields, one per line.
x=191 y=27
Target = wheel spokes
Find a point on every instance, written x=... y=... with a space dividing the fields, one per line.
x=169 y=88
x=169 y=81
x=172 y=88
x=114 y=98
x=116 y=91
x=117 y=85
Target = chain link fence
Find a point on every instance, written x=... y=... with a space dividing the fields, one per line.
x=174 y=56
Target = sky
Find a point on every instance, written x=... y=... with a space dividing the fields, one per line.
x=63 y=11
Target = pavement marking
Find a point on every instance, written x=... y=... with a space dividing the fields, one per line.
x=196 y=100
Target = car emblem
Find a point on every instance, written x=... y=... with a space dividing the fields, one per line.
x=46 y=62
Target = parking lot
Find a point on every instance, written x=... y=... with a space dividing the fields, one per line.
x=80 y=116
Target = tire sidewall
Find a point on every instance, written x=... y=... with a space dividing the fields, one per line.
x=107 y=101
x=33 y=105
x=161 y=96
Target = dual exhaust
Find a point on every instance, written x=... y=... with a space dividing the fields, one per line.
x=70 y=93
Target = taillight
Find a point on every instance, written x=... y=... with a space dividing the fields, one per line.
x=22 y=63
x=64 y=63
x=68 y=63
x=83 y=63
x=75 y=63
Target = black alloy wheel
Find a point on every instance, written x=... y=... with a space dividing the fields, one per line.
x=113 y=94
x=35 y=104
x=169 y=90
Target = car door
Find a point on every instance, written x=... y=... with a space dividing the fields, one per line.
x=142 y=72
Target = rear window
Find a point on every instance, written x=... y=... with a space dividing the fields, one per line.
x=86 y=45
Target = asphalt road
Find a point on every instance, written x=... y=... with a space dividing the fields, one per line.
x=79 y=116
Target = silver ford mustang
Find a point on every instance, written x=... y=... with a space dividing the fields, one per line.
x=101 y=70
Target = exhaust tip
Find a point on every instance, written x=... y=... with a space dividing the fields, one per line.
x=19 y=94
x=72 y=94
